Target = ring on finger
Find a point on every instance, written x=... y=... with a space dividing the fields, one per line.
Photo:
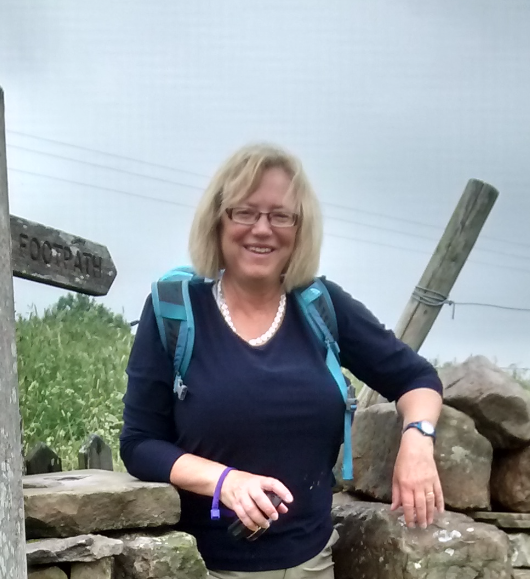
x=430 y=494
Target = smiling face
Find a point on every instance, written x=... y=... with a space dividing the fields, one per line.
x=260 y=252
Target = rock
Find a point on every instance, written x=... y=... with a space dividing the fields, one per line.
x=462 y=455
x=102 y=569
x=81 y=548
x=169 y=556
x=510 y=480
x=464 y=458
x=503 y=520
x=498 y=404
x=95 y=453
x=41 y=458
x=85 y=501
x=344 y=498
x=340 y=483
x=47 y=573
x=521 y=574
x=375 y=543
x=519 y=549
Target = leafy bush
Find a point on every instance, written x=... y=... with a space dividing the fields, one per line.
x=71 y=368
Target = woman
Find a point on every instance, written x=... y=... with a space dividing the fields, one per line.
x=265 y=413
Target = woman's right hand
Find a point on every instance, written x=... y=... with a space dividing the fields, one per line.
x=244 y=493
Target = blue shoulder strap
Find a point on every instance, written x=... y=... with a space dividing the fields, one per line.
x=174 y=316
x=317 y=307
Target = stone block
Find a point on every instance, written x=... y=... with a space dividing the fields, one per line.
x=46 y=573
x=497 y=403
x=462 y=455
x=102 y=569
x=503 y=520
x=375 y=543
x=510 y=479
x=87 y=501
x=172 y=555
x=95 y=454
x=41 y=459
x=519 y=549
x=81 y=548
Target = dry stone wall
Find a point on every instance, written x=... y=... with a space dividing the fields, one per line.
x=98 y=524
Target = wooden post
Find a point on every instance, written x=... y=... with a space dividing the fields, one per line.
x=442 y=270
x=12 y=534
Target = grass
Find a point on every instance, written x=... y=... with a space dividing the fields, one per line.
x=71 y=367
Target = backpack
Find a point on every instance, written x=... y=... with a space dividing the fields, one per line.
x=174 y=317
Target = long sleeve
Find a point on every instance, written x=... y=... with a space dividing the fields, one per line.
x=147 y=442
x=374 y=354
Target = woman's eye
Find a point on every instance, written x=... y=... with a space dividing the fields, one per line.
x=244 y=212
x=281 y=217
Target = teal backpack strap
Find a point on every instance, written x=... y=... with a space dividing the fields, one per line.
x=174 y=317
x=317 y=307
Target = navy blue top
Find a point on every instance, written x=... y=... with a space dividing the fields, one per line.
x=273 y=410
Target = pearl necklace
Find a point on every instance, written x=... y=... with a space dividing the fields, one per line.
x=264 y=337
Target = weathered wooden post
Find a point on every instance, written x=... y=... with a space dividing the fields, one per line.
x=12 y=534
x=443 y=269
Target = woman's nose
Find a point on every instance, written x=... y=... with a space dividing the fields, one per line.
x=262 y=225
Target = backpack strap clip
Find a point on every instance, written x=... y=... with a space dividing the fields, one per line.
x=179 y=388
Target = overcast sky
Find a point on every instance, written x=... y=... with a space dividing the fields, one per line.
x=391 y=105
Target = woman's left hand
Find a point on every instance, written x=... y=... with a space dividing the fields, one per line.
x=416 y=484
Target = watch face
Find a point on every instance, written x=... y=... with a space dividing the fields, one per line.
x=427 y=427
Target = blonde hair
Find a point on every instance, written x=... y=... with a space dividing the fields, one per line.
x=235 y=180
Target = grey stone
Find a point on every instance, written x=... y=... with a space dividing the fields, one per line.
x=87 y=501
x=47 y=573
x=344 y=498
x=81 y=548
x=521 y=574
x=42 y=459
x=503 y=520
x=375 y=543
x=463 y=457
x=519 y=549
x=168 y=556
x=510 y=480
x=95 y=453
x=102 y=569
x=498 y=404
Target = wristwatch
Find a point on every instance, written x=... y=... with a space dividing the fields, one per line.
x=424 y=426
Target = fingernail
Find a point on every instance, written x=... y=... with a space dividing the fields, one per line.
x=412 y=526
x=274 y=516
x=424 y=526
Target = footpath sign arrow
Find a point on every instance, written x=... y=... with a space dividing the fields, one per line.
x=53 y=257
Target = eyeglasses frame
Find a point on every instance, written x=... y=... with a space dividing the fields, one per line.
x=296 y=217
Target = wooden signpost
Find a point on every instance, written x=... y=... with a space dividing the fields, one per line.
x=60 y=259
x=46 y=255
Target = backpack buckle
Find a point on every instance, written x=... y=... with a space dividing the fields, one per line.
x=351 y=404
x=179 y=388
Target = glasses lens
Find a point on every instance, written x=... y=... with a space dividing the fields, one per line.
x=244 y=215
x=282 y=219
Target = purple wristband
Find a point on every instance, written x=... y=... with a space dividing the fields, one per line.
x=215 y=512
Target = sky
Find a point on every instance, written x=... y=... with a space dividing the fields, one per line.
x=118 y=112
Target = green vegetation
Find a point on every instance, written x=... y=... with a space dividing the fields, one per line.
x=71 y=367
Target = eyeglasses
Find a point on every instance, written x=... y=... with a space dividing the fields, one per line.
x=249 y=216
